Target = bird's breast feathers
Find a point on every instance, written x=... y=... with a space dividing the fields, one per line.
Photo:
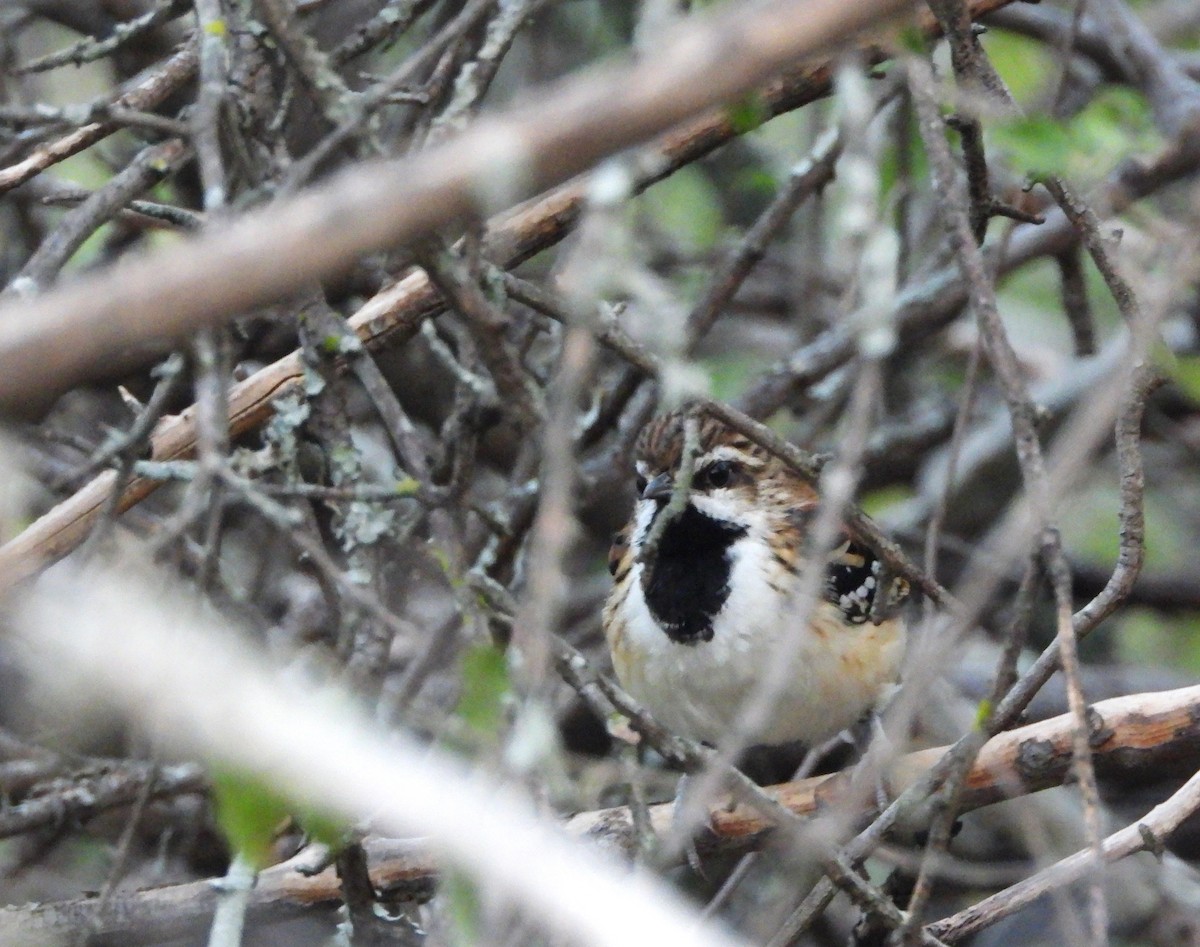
x=837 y=669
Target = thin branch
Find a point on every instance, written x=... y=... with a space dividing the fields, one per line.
x=155 y=86
x=91 y=49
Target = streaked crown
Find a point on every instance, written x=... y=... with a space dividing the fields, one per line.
x=726 y=460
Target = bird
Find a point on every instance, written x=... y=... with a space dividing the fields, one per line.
x=694 y=624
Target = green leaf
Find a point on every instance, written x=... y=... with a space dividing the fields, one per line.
x=407 y=487
x=729 y=372
x=748 y=113
x=322 y=827
x=878 y=502
x=1024 y=64
x=983 y=713
x=1041 y=145
x=485 y=686
x=465 y=908
x=912 y=38
x=889 y=165
x=1114 y=125
x=756 y=182
x=249 y=812
x=687 y=206
x=1185 y=372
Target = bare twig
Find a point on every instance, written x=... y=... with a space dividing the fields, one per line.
x=152 y=89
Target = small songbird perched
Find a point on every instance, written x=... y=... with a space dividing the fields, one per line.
x=694 y=624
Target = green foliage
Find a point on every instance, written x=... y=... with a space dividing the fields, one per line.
x=345 y=343
x=686 y=205
x=464 y=907
x=1041 y=145
x=1184 y=371
x=747 y=113
x=983 y=713
x=912 y=39
x=1150 y=637
x=407 y=487
x=1115 y=124
x=249 y=812
x=878 y=502
x=1025 y=65
x=889 y=165
x=729 y=372
x=756 y=182
x=1090 y=526
x=486 y=685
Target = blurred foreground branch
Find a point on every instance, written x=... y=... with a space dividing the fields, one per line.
x=1130 y=735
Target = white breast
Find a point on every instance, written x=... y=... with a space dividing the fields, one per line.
x=836 y=671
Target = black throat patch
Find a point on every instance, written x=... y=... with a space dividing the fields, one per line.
x=689 y=581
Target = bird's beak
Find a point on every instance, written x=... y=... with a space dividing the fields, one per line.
x=659 y=488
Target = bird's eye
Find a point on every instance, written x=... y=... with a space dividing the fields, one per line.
x=640 y=484
x=716 y=475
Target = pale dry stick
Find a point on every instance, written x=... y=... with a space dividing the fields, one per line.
x=1066 y=49
x=1140 y=731
x=452 y=276
x=213 y=31
x=233 y=897
x=609 y=332
x=475 y=77
x=958 y=434
x=955 y=210
x=1173 y=94
x=382 y=92
x=681 y=488
x=861 y=525
x=138 y=213
x=554 y=526
x=808 y=177
x=1145 y=835
x=380 y=205
x=310 y=64
x=1145 y=379
x=124 y=847
x=835 y=487
x=937 y=299
x=151 y=165
x=390 y=22
x=91 y=48
x=125 y=449
x=1076 y=307
x=211 y=398
x=942 y=826
x=146 y=94
x=81 y=797
x=211 y=383
x=103 y=637
x=285 y=520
